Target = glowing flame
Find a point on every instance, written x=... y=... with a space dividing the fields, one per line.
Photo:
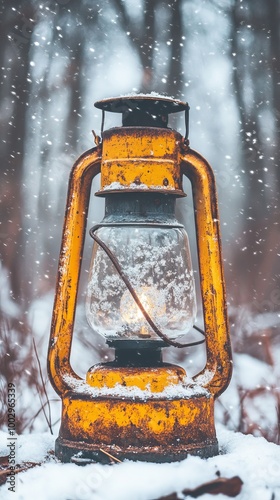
x=152 y=301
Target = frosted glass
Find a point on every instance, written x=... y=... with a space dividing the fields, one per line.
x=157 y=263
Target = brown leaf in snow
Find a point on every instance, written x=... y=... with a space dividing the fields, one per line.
x=230 y=487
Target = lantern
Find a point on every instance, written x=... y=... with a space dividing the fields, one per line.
x=140 y=295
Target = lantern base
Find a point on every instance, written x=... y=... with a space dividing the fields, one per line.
x=82 y=453
x=139 y=425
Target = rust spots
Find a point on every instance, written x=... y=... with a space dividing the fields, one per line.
x=137 y=181
x=125 y=423
x=150 y=154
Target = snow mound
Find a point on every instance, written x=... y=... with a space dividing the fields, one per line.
x=254 y=460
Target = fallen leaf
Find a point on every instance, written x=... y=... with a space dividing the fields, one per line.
x=4 y=472
x=230 y=487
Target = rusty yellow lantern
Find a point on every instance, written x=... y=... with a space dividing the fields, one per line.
x=140 y=295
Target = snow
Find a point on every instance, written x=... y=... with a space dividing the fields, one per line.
x=148 y=95
x=254 y=460
x=117 y=185
x=252 y=373
x=188 y=389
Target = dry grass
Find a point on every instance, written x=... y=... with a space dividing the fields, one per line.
x=21 y=366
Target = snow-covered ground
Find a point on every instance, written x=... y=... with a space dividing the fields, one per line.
x=254 y=460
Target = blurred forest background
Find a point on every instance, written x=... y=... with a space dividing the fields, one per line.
x=57 y=58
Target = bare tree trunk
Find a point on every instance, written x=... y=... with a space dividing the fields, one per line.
x=143 y=39
x=14 y=97
x=174 y=83
x=253 y=260
x=72 y=78
x=274 y=21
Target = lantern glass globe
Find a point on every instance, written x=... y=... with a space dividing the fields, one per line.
x=157 y=263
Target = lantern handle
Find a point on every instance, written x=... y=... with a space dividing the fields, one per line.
x=217 y=372
x=187 y=124
x=61 y=374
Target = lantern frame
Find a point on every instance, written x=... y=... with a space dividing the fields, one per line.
x=92 y=421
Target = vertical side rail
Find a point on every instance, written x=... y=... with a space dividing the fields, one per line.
x=61 y=374
x=217 y=372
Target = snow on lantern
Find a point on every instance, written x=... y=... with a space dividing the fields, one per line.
x=140 y=295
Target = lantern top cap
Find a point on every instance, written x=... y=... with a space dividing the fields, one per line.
x=152 y=103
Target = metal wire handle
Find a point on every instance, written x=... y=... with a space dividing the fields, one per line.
x=187 y=112
x=126 y=281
